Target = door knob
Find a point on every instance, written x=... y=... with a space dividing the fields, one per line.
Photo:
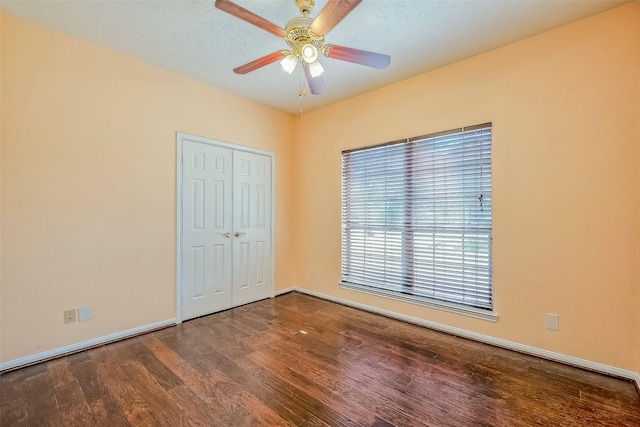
x=238 y=233
x=227 y=234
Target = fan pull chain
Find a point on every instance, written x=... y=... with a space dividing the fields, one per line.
x=301 y=92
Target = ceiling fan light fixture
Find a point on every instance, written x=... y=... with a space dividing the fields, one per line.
x=309 y=53
x=315 y=69
x=289 y=63
x=305 y=36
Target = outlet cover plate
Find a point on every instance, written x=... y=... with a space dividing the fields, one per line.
x=552 y=322
x=84 y=313
x=70 y=316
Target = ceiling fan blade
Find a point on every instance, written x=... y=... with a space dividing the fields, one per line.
x=362 y=57
x=332 y=14
x=316 y=84
x=250 y=17
x=260 y=62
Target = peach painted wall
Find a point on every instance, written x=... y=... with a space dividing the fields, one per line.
x=565 y=113
x=88 y=184
x=0 y=185
x=638 y=218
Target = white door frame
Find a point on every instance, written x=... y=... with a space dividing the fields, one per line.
x=180 y=137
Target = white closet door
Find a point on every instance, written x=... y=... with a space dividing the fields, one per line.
x=225 y=236
x=206 y=243
x=252 y=227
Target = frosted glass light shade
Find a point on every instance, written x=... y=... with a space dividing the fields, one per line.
x=309 y=53
x=315 y=69
x=289 y=63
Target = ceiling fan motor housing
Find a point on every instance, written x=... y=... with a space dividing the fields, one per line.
x=299 y=34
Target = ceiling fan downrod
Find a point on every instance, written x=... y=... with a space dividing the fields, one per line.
x=305 y=6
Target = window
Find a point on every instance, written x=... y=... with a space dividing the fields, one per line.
x=416 y=219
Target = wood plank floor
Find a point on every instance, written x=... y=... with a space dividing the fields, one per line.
x=300 y=361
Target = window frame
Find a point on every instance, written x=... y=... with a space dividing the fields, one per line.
x=488 y=314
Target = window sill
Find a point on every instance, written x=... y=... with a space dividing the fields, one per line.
x=490 y=316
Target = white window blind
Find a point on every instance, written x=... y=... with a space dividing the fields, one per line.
x=416 y=217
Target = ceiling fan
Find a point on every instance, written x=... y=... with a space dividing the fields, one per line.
x=305 y=37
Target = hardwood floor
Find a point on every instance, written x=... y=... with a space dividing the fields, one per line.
x=300 y=361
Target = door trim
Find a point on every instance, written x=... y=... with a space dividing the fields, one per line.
x=180 y=137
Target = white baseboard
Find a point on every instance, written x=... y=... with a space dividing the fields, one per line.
x=636 y=378
x=498 y=342
x=285 y=291
x=550 y=355
x=73 y=348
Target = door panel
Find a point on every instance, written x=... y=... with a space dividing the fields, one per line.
x=206 y=218
x=252 y=231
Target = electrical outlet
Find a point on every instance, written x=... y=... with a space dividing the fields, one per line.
x=84 y=313
x=552 y=322
x=70 y=316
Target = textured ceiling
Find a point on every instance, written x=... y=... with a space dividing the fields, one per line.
x=195 y=39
